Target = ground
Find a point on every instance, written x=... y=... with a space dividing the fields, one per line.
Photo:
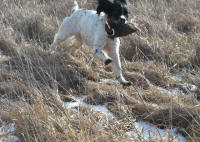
x=72 y=96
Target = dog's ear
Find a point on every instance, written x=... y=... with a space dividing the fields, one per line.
x=120 y=1
x=104 y=6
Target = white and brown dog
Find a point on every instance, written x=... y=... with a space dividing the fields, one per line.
x=89 y=26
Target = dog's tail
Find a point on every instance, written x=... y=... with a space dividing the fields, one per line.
x=75 y=6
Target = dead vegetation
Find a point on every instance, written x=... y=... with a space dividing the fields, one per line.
x=37 y=84
x=185 y=23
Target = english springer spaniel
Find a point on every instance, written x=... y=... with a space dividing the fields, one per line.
x=89 y=26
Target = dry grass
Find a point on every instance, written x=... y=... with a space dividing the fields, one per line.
x=39 y=84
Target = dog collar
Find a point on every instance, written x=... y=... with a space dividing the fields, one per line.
x=110 y=31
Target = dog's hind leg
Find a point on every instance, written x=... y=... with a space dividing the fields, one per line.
x=64 y=32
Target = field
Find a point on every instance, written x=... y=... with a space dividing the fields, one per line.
x=71 y=96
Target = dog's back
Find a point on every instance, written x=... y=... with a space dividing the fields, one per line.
x=87 y=23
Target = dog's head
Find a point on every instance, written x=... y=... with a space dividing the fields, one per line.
x=116 y=10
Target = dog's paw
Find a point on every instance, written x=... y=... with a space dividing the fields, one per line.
x=123 y=81
x=108 y=61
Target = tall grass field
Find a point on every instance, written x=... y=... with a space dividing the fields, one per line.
x=72 y=96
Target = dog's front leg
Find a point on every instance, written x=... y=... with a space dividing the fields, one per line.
x=113 y=51
x=102 y=55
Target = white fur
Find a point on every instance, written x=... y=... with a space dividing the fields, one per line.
x=90 y=27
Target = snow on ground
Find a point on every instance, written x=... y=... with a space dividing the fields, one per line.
x=79 y=102
x=140 y=128
x=148 y=131
x=4 y=57
x=6 y=129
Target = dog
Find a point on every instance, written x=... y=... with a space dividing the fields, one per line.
x=89 y=26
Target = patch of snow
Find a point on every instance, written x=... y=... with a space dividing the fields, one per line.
x=10 y=139
x=140 y=128
x=4 y=67
x=189 y=87
x=110 y=81
x=177 y=77
x=150 y=132
x=5 y=129
x=79 y=102
x=6 y=101
x=3 y=57
x=139 y=90
x=177 y=91
x=146 y=63
x=102 y=70
x=168 y=92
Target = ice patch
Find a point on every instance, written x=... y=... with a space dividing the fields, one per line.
x=147 y=131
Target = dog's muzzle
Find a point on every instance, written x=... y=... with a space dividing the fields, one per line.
x=110 y=31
